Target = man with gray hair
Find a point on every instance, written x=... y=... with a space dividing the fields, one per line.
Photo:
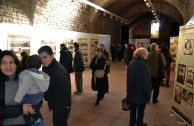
x=155 y=61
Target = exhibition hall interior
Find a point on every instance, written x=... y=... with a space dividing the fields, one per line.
x=110 y=44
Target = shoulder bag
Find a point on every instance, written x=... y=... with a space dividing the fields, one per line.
x=161 y=68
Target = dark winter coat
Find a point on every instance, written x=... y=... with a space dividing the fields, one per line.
x=167 y=57
x=78 y=62
x=100 y=82
x=138 y=82
x=128 y=56
x=66 y=59
x=59 y=91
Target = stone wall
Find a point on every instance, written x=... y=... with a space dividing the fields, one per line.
x=14 y=11
x=59 y=14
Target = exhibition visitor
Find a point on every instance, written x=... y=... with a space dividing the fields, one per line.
x=168 y=58
x=11 y=113
x=58 y=94
x=156 y=62
x=78 y=66
x=98 y=65
x=24 y=58
x=138 y=87
x=66 y=59
x=128 y=54
x=32 y=85
x=107 y=68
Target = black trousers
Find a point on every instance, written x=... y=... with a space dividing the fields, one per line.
x=155 y=87
x=106 y=87
x=100 y=95
x=60 y=116
x=79 y=81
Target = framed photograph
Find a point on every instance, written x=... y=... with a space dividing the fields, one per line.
x=181 y=73
x=178 y=94
x=19 y=43
x=190 y=76
x=187 y=96
x=188 y=47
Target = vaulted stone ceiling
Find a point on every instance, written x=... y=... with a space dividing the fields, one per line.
x=179 y=10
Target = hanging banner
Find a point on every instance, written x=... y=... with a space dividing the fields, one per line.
x=183 y=103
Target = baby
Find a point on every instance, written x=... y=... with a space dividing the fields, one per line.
x=32 y=85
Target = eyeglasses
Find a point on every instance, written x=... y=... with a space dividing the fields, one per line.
x=7 y=63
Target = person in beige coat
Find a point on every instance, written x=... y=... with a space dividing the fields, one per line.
x=155 y=61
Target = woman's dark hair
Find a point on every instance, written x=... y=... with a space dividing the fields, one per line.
x=34 y=61
x=189 y=41
x=16 y=60
x=99 y=50
x=45 y=49
x=76 y=45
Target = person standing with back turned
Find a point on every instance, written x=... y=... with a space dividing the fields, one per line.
x=155 y=61
x=58 y=94
x=78 y=65
x=66 y=59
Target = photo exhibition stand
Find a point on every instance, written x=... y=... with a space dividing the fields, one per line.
x=29 y=38
x=183 y=103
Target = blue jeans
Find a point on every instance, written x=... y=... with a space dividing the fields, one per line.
x=32 y=98
x=139 y=111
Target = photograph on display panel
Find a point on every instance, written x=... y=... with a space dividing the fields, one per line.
x=190 y=76
x=181 y=73
x=19 y=43
x=187 y=96
x=178 y=94
x=188 y=47
x=51 y=43
x=69 y=44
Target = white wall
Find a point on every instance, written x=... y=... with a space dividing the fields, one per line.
x=37 y=34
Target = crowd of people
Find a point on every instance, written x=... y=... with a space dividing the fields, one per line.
x=23 y=85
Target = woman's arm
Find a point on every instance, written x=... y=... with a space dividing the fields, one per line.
x=7 y=112
x=13 y=111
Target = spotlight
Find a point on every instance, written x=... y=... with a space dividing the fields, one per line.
x=145 y=0
x=147 y=4
x=116 y=19
x=152 y=11
x=96 y=10
x=111 y=16
x=104 y=14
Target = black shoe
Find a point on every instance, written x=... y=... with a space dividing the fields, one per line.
x=155 y=101
x=144 y=124
x=97 y=103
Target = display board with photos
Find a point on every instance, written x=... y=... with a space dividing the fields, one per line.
x=93 y=47
x=84 y=47
x=173 y=50
x=69 y=44
x=183 y=103
x=19 y=43
x=145 y=42
x=49 y=42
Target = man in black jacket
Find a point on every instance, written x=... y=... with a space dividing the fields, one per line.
x=58 y=94
x=66 y=60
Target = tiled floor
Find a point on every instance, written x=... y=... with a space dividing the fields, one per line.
x=109 y=112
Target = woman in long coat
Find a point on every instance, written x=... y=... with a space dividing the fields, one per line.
x=98 y=84
x=138 y=86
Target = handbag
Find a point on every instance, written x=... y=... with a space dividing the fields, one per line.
x=161 y=68
x=99 y=73
x=125 y=106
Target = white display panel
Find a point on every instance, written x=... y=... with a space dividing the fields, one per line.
x=43 y=36
x=183 y=103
